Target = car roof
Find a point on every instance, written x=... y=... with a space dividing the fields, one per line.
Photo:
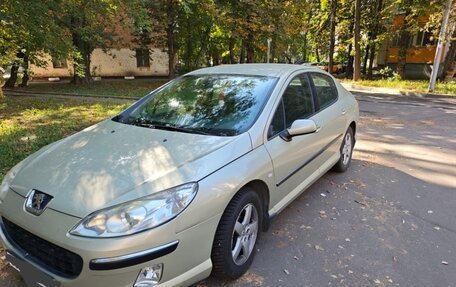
x=271 y=70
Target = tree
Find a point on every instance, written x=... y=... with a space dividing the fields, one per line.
x=357 y=31
x=91 y=24
x=332 y=36
x=450 y=59
x=375 y=31
x=29 y=29
x=404 y=36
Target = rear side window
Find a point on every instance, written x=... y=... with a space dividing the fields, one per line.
x=325 y=88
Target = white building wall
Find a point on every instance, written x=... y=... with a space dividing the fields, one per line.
x=50 y=72
x=113 y=63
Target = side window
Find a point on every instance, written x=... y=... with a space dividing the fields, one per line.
x=296 y=104
x=325 y=88
x=297 y=101
x=278 y=121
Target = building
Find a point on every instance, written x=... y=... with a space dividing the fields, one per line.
x=420 y=53
x=115 y=62
x=122 y=59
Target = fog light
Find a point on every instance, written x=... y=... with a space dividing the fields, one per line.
x=149 y=276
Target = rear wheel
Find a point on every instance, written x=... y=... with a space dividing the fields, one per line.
x=346 y=150
x=234 y=244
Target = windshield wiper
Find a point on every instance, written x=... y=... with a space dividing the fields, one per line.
x=182 y=129
x=170 y=127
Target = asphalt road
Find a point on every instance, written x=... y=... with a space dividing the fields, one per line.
x=390 y=220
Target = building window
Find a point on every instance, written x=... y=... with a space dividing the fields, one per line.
x=428 y=39
x=59 y=62
x=142 y=58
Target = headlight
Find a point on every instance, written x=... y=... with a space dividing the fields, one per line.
x=137 y=215
x=10 y=175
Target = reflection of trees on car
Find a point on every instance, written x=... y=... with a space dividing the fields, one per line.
x=219 y=104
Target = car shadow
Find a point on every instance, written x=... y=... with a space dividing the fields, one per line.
x=373 y=225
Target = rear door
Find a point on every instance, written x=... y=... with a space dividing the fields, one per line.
x=330 y=116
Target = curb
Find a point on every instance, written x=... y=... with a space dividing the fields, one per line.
x=390 y=91
x=68 y=95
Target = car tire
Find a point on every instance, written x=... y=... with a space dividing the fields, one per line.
x=236 y=236
x=346 y=151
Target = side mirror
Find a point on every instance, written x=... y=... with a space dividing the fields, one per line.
x=298 y=128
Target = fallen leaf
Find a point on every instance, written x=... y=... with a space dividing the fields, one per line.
x=318 y=248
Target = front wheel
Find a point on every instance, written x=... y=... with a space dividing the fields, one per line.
x=346 y=150
x=234 y=244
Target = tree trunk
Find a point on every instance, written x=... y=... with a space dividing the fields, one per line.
x=25 y=76
x=82 y=65
x=171 y=54
x=375 y=31
x=317 y=54
x=332 y=36
x=357 y=31
x=304 y=49
x=232 y=42
x=242 y=56
x=250 y=49
x=366 y=57
x=349 y=69
x=216 y=58
x=11 y=82
x=450 y=57
x=371 y=61
x=171 y=11
x=404 y=37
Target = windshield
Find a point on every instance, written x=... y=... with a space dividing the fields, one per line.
x=223 y=105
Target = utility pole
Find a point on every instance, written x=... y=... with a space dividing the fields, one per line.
x=269 y=50
x=439 y=50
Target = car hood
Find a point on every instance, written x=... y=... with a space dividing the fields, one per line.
x=111 y=163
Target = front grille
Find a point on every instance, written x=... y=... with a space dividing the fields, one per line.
x=56 y=259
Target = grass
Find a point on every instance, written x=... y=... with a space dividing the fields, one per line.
x=29 y=123
x=410 y=85
x=115 y=88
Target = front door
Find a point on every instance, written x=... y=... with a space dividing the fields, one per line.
x=293 y=161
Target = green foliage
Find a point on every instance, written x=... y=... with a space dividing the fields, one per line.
x=204 y=32
x=32 y=27
x=410 y=85
x=48 y=120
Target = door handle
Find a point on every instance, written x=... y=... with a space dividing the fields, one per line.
x=344 y=112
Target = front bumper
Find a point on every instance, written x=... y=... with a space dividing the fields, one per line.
x=185 y=255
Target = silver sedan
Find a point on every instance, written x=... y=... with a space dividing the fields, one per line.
x=180 y=184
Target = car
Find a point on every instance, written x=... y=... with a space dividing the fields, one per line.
x=337 y=68
x=180 y=185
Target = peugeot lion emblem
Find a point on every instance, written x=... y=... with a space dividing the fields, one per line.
x=37 y=201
